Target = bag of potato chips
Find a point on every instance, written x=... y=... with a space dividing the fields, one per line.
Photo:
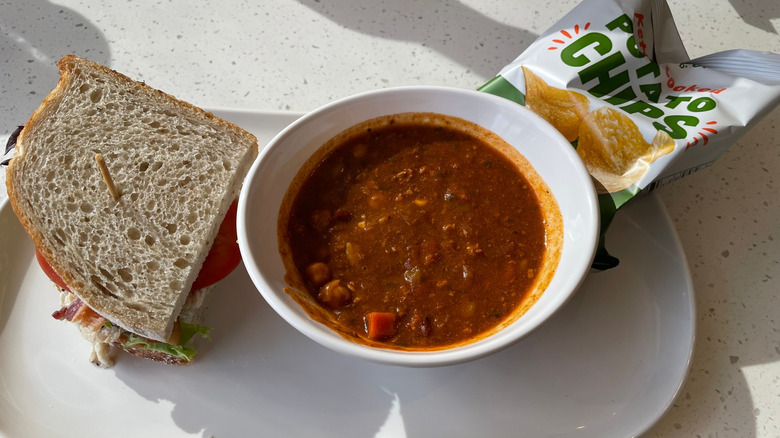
x=614 y=78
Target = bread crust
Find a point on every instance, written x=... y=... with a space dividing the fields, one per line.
x=34 y=234
x=68 y=62
x=24 y=207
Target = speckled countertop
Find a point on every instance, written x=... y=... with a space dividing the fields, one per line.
x=297 y=55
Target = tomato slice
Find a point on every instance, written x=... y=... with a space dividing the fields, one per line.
x=49 y=271
x=223 y=258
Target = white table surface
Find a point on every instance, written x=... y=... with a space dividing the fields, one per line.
x=297 y=55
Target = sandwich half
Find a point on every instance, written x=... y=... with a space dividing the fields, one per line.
x=123 y=190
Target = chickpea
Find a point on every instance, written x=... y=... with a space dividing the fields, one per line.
x=318 y=273
x=334 y=294
x=320 y=219
x=360 y=150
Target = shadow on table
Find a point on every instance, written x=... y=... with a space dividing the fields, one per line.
x=758 y=15
x=447 y=27
x=34 y=35
x=737 y=246
x=607 y=365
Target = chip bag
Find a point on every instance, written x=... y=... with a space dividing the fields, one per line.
x=614 y=78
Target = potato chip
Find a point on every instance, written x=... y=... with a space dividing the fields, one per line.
x=563 y=109
x=662 y=144
x=615 y=152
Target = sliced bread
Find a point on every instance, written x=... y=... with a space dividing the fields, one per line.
x=176 y=169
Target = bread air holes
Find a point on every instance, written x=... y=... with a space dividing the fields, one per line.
x=95 y=280
x=149 y=240
x=96 y=95
x=185 y=240
x=181 y=263
x=137 y=306
x=152 y=265
x=60 y=236
x=71 y=204
x=133 y=233
x=125 y=275
x=86 y=207
x=107 y=274
x=227 y=165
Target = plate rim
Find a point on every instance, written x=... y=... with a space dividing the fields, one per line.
x=654 y=197
x=686 y=272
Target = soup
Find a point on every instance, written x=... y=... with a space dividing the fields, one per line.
x=417 y=231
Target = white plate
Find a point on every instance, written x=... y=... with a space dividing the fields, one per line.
x=608 y=365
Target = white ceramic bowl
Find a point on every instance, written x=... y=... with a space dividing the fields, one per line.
x=548 y=152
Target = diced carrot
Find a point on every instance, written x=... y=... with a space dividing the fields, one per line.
x=380 y=325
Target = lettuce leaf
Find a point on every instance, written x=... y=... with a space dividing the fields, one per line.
x=180 y=351
x=174 y=350
x=189 y=330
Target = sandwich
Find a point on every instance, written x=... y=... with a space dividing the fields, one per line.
x=129 y=197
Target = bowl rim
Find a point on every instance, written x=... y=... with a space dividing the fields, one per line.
x=283 y=305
